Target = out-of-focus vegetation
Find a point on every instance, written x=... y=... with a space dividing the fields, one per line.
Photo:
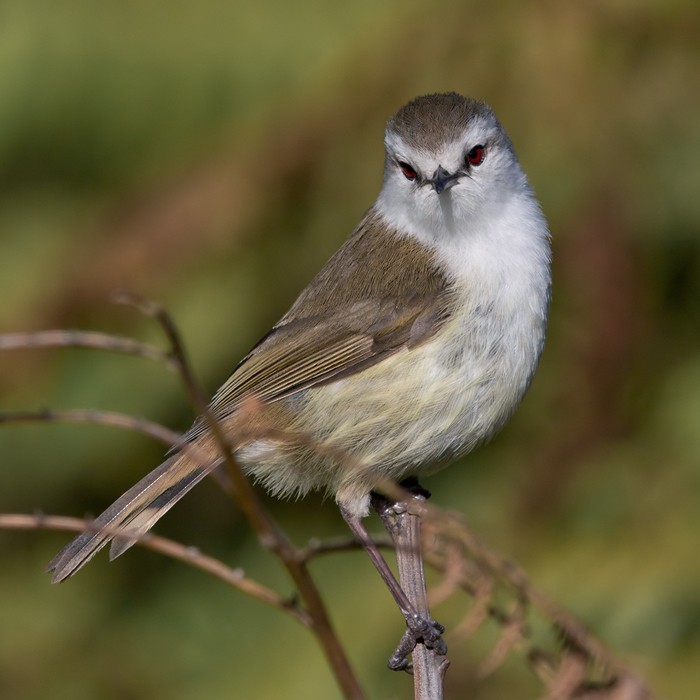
x=212 y=155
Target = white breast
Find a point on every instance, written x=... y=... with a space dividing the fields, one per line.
x=439 y=400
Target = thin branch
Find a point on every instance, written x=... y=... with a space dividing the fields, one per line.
x=480 y=584
x=118 y=420
x=404 y=526
x=450 y=527
x=107 y=418
x=269 y=534
x=316 y=548
x=175 y=550
x=622 y=683
x=85 y=339
x=571 y=630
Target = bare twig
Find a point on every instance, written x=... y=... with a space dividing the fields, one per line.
x=85 y=339
x=404 y=526
x=316 y=548
x=269 y=534
x=108 y=418
x=571 y=631
x=482 y=568
x=188 y=555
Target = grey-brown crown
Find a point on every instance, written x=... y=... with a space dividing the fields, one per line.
x=430 y=121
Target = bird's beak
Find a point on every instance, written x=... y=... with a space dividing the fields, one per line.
x=442 y=180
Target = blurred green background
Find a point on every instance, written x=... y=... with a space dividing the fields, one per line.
x=212 y=155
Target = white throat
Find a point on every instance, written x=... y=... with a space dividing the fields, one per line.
x=504 y=244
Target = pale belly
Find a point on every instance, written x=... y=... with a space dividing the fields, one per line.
x=406 y=415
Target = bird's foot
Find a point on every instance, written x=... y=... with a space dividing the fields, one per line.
x=418 y=631
x=384 y=505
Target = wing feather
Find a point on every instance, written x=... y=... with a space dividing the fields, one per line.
x=309 y=352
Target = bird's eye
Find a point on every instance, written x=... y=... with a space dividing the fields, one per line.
x=408 y=171
x=476 y=155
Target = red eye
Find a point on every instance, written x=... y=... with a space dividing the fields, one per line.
x=408 y=171
x=476 y=155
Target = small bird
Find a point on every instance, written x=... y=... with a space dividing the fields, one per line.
x=413 y=344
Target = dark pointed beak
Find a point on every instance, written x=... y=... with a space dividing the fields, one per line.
x=442 y=180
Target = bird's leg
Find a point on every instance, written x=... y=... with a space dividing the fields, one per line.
x=404 y=529
x=419 y=628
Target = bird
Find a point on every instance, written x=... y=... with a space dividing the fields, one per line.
x=412 y=345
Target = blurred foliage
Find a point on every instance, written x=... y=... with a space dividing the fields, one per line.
x=212 y=155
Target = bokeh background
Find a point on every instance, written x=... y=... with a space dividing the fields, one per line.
x=212 y=155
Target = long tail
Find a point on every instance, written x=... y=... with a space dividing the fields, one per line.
x=134 y=514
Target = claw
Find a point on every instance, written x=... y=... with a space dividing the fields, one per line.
x=418 y=630
x=399 y=659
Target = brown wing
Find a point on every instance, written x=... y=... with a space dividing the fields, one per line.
x=352 y=315
x=307 y=352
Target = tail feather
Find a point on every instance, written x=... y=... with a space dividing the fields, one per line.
x=134 y=513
